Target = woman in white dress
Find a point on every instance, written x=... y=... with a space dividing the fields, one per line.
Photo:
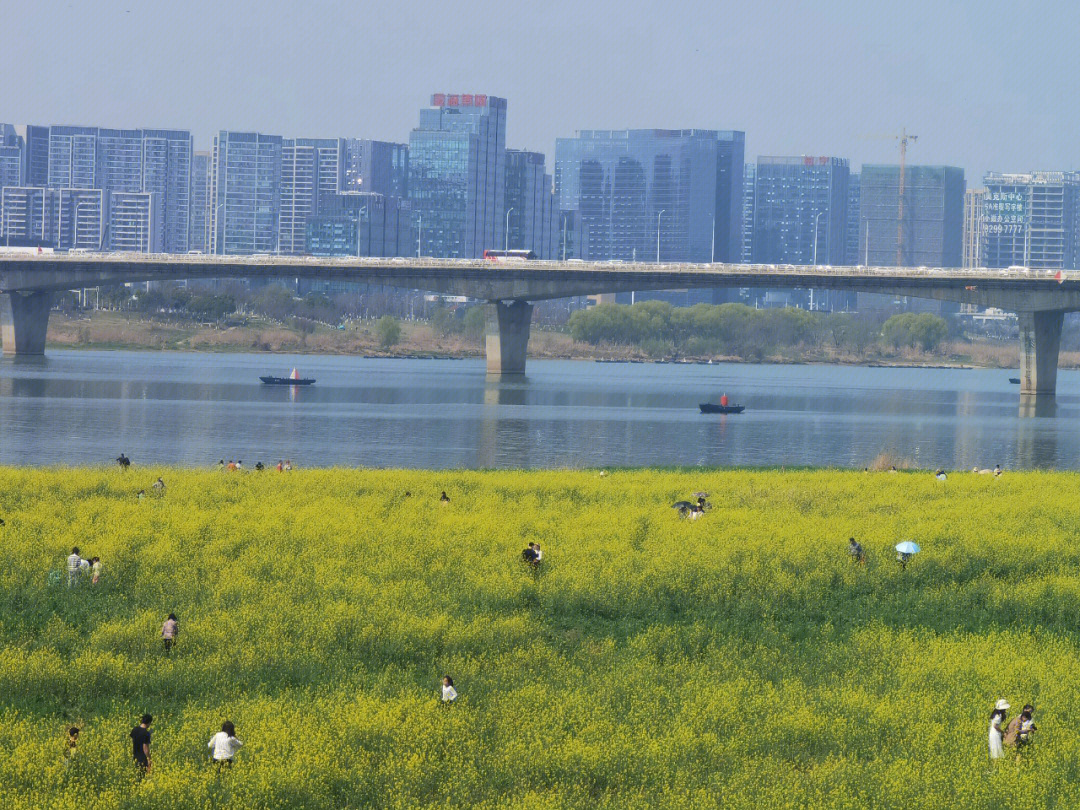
x=449 y=693
x=997 y=721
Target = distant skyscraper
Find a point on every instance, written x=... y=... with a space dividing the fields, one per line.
x=81 y=218
x=135 y=222
x=851 y=229
x=311 y=169
x=377 y=166
x=245 y=184
x=457 y=161
x=933 y=215
x=973 y=226
x=29 y=215
x=36 y=144
x=1032 y=220
x=529 y=202
x=199 y=196
x=12 y=157
x=800 y=210
x=746 y=252
x=358 y=223
x=629 y=186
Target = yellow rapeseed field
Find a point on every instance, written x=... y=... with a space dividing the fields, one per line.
x=737 y=661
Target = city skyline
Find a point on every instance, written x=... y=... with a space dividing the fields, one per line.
x=958 y=83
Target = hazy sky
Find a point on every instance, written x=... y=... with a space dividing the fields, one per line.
x=986 y=85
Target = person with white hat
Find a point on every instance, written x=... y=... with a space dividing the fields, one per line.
x=997 y=720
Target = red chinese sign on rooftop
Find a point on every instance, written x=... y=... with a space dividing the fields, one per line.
x=458 y=100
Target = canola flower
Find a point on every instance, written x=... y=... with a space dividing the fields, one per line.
x=737 y=661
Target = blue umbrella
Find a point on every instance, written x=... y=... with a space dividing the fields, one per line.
x=907 y=547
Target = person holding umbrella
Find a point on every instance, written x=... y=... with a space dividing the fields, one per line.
x=684 y=508
x=904 y=551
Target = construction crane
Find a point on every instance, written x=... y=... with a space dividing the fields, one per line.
x=903 y=137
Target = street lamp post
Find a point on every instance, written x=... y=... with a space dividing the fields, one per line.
x=506 y=237
x=816 y=220
x=419 y=234
x=364 y=212
x=564 y=237
x=659 y=214
x=217 y=218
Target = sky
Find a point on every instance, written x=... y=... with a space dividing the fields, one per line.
x=986 y=85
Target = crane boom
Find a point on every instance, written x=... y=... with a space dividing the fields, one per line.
x=903 y=138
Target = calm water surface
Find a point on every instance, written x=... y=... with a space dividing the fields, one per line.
x=81 y=407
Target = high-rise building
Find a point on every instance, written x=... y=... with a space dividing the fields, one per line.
x=36 y=144
x=746 y=250
x=973 y=226
x=1032 y=220
x=135 y=222
x=199 y=197
x=74 y=160
x=360 y=223
x=633 y=187
x=851 y=229
x=377 y=166
x=245 y=184
x=80 y=223
x=800 y=210
x=933 y=220
x=12 y=157
x=29 y=215
x=167 y=176
x=529 y=203
x=311 y=169
x=457 y=161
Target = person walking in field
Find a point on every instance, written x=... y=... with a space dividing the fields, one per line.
x=224 y=745
x=539 y=553
x=72 y=745
x=159 y=486
x=288 y=465
x=1019 y=731
x=529 y=555
x=169 y=631
x=140 y=745
x=449 y=693
x=74 y=563
x=858 y=556
x=95 y=569
x=280 y=465
x=997 y=719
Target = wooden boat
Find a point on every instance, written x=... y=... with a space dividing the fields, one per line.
x=292 y=379
x=709 y=407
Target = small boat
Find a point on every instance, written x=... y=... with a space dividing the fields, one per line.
x=709 y=407
x=1014 y=380
x=292 y=379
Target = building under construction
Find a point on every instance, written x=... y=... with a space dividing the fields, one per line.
x=930 y=233
x=1032 y=220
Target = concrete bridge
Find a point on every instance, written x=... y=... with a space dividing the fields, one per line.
x=28 y=281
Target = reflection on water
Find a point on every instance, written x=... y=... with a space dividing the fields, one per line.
x=86 y=407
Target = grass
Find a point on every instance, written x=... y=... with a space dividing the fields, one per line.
x=736 y=661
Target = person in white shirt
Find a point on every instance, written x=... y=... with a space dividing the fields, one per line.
x=74 y=561
x=539 y=553
x=449 y=693
x=224 y=745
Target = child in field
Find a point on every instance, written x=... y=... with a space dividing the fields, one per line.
x=224 y=745
x=997 y=718
x=1019 y=732
x=72 y=745
x=169 y=631
x=95 y=568
x=449 y=693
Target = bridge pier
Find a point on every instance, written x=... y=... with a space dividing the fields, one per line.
x=24 y=321
x=507 y=336
x=1040 y=339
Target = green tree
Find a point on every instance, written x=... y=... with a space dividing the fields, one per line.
x=388 y=330
x=474 y=324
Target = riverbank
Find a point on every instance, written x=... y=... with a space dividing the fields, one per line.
x=112 y=330
x=649 y=662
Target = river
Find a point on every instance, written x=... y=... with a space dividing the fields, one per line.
x=85 y=407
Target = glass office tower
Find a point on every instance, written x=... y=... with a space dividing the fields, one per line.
x=1031 y=220
x=245 y=185
x=529 y=200
x=457 y=162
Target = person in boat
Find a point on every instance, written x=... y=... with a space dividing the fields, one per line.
x=858 y=556
x=444 y=499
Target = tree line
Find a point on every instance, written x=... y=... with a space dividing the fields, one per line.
x=660 y=329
